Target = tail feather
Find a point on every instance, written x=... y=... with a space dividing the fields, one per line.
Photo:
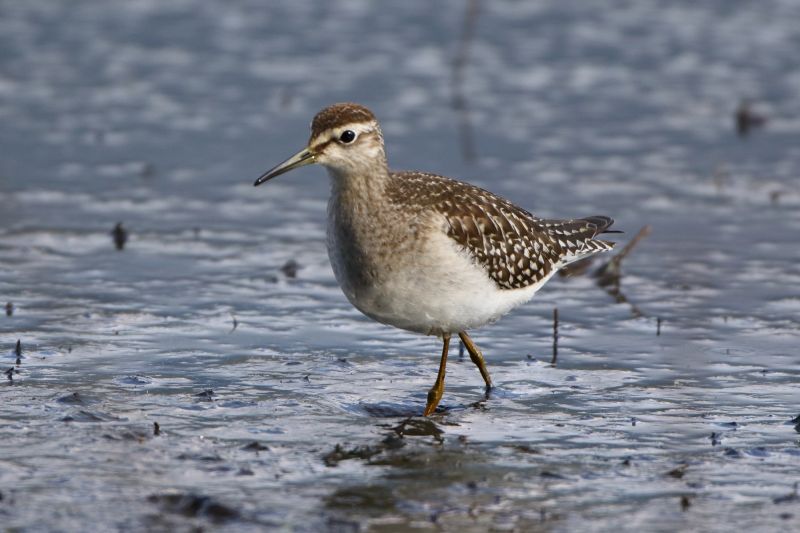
x=601 y=224
x=579 y=235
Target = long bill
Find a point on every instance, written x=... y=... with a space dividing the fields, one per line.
x=300 y=159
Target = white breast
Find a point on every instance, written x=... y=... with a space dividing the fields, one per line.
x=432 y=289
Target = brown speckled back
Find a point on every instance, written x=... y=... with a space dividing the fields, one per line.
x=516 y=248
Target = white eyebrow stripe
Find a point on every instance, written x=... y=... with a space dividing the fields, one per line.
x=359 y=128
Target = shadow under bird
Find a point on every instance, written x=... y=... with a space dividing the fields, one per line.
x=426 y=253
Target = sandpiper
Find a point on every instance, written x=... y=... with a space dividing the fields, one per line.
x=426 y=253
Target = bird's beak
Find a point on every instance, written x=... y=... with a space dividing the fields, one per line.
x=300 y=159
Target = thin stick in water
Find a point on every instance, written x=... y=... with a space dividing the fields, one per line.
x=555 y=337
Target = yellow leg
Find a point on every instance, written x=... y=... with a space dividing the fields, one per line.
x=436 y=392
x=477 y=358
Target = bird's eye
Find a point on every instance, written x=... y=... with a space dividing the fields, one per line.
x=347 y=136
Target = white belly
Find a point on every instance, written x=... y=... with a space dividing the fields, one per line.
x=434 y=289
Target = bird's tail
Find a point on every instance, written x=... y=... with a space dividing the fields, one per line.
x=601 y=224
x=577 y=237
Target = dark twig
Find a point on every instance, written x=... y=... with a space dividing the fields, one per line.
x=611 y=272
x=747 y=119
x=609 y=275
x=685 y=503
x=290 y=268
x=555 y=337
x=120 y=236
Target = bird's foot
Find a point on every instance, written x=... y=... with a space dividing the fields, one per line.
x=434 y=396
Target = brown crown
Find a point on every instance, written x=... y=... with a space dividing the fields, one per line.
x=338 y=115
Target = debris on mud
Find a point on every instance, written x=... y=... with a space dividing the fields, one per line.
x=290 y=268
x=339 y=454
x=194 y=505
x=732 y=453
x=255 y=446
x=75 y=398
x=205 y=396
x=685 y=503
x=746 y=119
x=120 y=236
x=678 y=472
x=393 y=440
x=525 y=448
x=87 y=416
x=419 y=427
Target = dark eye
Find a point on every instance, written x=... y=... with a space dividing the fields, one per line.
x=347 y=136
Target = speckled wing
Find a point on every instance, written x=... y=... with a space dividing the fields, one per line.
x=516 y=248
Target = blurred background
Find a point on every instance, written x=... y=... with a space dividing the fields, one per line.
x=147 y=280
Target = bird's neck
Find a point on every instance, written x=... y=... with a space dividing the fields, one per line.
x=360 y=186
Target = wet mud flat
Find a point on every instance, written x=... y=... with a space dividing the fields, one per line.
x=276 y=444
x=175 y=352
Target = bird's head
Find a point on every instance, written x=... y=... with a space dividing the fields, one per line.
x=345 y=138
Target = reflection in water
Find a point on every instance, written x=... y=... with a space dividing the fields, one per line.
x=459 y=98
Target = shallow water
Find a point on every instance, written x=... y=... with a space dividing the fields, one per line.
x=278 y=404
